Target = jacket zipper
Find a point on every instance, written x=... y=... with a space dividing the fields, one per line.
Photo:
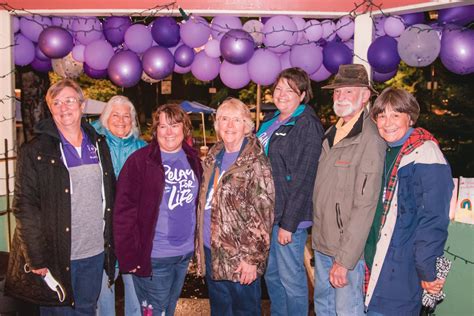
x=339 y=219
x=363 y=185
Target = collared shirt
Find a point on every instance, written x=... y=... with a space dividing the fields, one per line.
x=342 y=130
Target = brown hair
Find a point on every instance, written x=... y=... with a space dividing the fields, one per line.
x=298 y=80
x=398 y=100
x=59 y=86
x=174 y=114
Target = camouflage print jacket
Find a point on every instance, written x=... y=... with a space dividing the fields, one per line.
x=241 y=212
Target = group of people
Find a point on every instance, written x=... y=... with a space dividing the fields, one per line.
x=95 y=201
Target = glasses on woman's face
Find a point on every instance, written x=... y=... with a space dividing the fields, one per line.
x=69 y=101
x=121 y=117
x=228 y=119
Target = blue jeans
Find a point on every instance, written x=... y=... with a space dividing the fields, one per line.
x=348 y=300
x=86 y=276
x=163 y=288
x=370 y=313
x=106 y=302
x=229 y=298
x=285 y=277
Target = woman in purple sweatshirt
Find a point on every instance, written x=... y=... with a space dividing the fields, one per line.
x=155 y=211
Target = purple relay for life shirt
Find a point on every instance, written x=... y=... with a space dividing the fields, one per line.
x=174 y=233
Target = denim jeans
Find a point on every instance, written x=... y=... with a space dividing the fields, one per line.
x=163 y=288
x=229 y=298
x=371 y=313
x=106 y=302
x=86 y=277
x=346 y=301
x=286 y=275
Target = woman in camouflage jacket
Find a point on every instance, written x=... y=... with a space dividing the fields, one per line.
x=235 y=214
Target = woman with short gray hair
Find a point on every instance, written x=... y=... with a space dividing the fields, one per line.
x=235 y=214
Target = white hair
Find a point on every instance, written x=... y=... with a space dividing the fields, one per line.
x=120 y=99
x=234 y=104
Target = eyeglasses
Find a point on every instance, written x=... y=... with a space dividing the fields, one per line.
x=69 y=101
x=227 y=119
x=118 y=117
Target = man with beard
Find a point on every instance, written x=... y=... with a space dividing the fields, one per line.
x=345 y=196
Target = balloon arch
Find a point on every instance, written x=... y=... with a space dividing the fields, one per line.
x=126 y=52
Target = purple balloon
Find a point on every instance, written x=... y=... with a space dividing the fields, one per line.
x=15 y=24
x=63 y=21
x=237 y=46
x=94 y=73
x=329 y=30
x=195 y=32
x=184 y=56
x=379 y=26
x=380 y=77
x=300 y=26
x=98 y=54
x=221 y=24
x=205 y=68
x=213 y=49
x=181 y=70
x=165 y=31
x=115 y=28
x=350 y=44
x=321 y=74
x=457 y=15
x=138 y=38
x=41 y=65
x=336 y=54
x=87 y=29
x=158 y=62
x=308 y=57
x=125 y=69
x=23 y=51
x=413 y=18
x=383 y=54
x=285 y=60
x=32 y=26
x=280 y=34
x=78 y=52
x=313 y=31
x=345 y=28
x=234 y=76
x=393 y=26
x=55 y=42
x=40 y=55
x=457 y=50
x=264 y=67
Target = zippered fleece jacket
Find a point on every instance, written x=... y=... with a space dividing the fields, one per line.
x=346 y=191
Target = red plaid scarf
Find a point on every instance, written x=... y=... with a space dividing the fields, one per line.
x=415 y=140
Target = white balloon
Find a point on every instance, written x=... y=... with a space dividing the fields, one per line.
x=254 y=28
x=67 y=67
x=419 y=45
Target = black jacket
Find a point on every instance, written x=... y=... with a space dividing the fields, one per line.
x=42 y=208
x=294 y=150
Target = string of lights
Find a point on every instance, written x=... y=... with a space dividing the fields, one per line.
x=456 y=256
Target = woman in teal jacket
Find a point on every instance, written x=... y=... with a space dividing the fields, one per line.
x=118 y=123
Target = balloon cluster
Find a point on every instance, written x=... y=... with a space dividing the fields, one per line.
x=126 y=52
x=409 y=38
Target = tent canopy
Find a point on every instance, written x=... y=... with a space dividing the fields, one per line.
x=196 y=107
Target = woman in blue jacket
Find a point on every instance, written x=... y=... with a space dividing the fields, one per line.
x=411 y=221
x=118 y=123
x=292 y=139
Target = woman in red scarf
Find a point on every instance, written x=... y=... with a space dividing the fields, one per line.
x=410 y=226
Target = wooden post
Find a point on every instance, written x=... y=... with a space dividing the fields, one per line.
x=257 y=112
